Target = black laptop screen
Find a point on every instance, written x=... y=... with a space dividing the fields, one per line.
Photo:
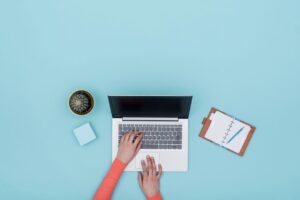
x=150 y=106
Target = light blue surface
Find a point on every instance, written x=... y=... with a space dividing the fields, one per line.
x=240 y=56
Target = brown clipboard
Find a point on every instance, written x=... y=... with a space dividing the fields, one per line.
x=206 y=123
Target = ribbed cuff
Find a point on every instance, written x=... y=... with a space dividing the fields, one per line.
x=155 y=197
x=117 y=168
x=119 y=162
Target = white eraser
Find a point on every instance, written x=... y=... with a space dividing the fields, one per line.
x=84 y=134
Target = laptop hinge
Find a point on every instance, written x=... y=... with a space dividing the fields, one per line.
x=150 y=119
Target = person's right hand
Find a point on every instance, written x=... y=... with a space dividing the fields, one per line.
x=150 y=181
x=129 y=146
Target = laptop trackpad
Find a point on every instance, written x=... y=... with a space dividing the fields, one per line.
x=142 y=156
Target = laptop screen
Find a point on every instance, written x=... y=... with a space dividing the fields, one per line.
x=150 y=106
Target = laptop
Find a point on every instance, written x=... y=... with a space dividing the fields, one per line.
x=164 y=122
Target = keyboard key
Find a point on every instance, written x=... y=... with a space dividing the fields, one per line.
x=146 y=142
x=178 y=137
x=153 y=146
x=176 y=142
x=163 y=146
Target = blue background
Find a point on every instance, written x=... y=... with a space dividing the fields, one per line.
x=239 y=56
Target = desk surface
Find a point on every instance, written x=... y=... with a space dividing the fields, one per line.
x=242 y=57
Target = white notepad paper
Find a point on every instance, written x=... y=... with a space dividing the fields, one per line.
x=223 y=131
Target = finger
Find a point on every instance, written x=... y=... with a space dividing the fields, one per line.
x=127 y=136
x=153 y=165
x=131 y=137
x=159 y=170
x=149 y=164
x=139 y=138
x=138 y=148
x=140 y=179
x=123 y=138
x=145 y=174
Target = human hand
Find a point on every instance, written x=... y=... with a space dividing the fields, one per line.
x=150 y=181
x=129 y=146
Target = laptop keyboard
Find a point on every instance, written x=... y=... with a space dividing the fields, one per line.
x=156 y=136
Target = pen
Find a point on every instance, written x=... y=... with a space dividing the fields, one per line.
x=239 y=131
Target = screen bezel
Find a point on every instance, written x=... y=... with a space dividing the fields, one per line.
x=184 y=114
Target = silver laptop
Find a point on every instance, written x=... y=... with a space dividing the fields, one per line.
x=164 y=122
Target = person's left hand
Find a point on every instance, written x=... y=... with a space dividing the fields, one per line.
x=129 y=146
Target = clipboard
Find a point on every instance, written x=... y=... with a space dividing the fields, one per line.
x=207 y=122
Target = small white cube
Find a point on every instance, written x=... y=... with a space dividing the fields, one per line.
x=84 y=134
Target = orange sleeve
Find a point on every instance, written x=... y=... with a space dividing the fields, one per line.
x=155 y=197
x=109 y=183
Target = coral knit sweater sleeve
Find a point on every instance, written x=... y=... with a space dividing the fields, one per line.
x=109 y=183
